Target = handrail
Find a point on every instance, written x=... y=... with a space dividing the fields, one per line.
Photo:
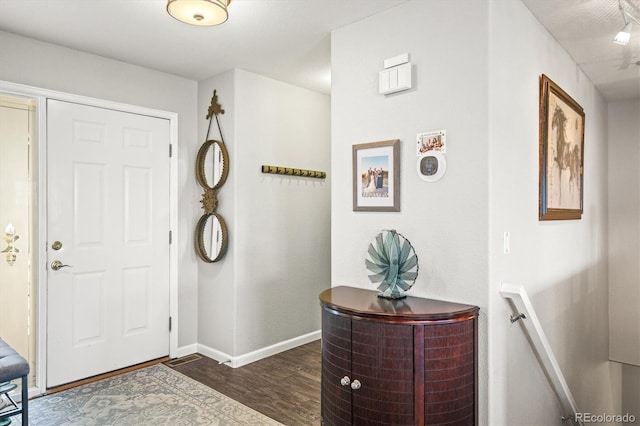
x=527 y=316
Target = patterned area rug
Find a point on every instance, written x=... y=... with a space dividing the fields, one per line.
x=155 y=395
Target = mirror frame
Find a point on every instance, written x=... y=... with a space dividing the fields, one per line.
x=199 y=238
x=201 y=177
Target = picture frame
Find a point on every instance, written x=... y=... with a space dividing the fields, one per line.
x=561 y=154
x=376 y=176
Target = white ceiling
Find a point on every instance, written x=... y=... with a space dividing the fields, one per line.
x=289 y=39
x=586 y=28
x=283 y=39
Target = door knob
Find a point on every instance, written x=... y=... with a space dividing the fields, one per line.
x=355 y=385
x=57 y=265
x=345 y=381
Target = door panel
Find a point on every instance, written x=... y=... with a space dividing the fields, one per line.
x=89 y=193
x=138 y=184
x=88 y=309
x=449 y=371
x=108 y=204
x=382 y=360
x=137 y=297
x=336 y=363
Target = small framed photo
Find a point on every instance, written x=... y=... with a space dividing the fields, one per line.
x=431 y=141
x=561 y=150
x=376 y=176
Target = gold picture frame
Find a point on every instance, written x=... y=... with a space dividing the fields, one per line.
x=376 y=176
x=561 y=152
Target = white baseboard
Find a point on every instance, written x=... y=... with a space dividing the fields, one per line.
x=219 y=356
x=259 y=354
x=187 y=350
x=275 y=349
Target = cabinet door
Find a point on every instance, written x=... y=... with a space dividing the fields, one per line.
x=382 y=361
x=450 y=373
x=336 y=363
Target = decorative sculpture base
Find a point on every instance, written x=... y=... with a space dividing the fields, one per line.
x=391 y=295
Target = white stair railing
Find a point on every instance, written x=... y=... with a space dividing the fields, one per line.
x=527 y=316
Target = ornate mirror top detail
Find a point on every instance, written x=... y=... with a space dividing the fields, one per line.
x=212 y=169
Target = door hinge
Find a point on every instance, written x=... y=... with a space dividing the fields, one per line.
x=169 y=323
x=170 y=237
x=170 y=150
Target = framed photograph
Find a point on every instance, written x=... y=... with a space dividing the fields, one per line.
x=561 y=154
x=376 y=176
x=431 y=141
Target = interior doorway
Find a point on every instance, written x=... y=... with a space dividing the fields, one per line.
x=18 y=227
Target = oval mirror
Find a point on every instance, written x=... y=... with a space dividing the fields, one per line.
x=212 y=164
x=211 y=237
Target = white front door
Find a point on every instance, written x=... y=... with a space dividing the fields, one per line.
x=108 y=216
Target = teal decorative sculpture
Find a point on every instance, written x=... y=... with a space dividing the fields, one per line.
x=393 y=264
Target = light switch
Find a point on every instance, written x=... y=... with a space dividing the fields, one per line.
x=507 y=242
x=404 y=76
x=395 y=79
x=383 y=82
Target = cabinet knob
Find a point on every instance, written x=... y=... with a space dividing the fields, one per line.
x=345 y=381
x=355 y=385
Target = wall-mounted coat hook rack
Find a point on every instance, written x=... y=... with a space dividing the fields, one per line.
x=277 y=170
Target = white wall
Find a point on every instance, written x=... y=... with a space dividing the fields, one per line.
x=446 y=221
x=283 y=228
x=278 y=258
x=484 y=91
x=265 y=290
x=217 y=295
x=624 y=247
x=631 y=390
x=624 y=231
x=562 y=264
x=481 y=84
x=35 y=63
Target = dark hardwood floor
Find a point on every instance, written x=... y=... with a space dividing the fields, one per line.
x=285 y=387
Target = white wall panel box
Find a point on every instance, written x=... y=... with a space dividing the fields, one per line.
x=396 y=60
x=396 y=76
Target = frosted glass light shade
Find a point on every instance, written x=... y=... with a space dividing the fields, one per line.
x=624 y=35
x=199 y=12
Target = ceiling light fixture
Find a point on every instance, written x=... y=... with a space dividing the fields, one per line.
x=199 y=12
x=624 y=35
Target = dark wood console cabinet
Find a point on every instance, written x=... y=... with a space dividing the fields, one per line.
x=410 y=361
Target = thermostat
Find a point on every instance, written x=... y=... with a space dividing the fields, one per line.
x=431 y=166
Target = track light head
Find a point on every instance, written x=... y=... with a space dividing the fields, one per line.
x=624 y=35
